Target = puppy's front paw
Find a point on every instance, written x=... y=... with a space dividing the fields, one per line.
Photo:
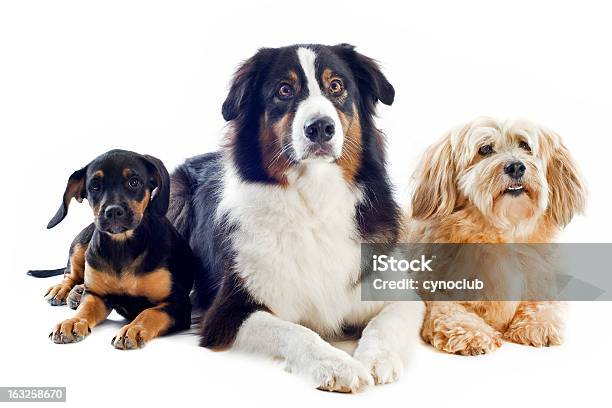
x=385 y=366
x=70 y=331
x=74 y=297
x=130 y=337
x=534 y=333
x=56 y=295
x=333 y=371
x=465 y=338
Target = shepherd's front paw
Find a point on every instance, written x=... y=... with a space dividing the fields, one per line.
x=333 y=370
x=384 y=365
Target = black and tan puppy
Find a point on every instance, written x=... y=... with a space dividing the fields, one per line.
x=130 y=259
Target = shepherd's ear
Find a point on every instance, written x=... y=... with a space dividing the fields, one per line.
x=368 y=75
x=243 y=86
x=74 y=189
x=160 y=198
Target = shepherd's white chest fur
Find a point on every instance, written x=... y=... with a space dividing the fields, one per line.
x=297 y=247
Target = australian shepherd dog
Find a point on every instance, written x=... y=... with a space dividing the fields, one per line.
x=277 y=216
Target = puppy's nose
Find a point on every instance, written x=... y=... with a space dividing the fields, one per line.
x=515 y=169
x=320 y=129
x=114 y=212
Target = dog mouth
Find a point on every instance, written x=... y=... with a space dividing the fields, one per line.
x=320 y=150
x=116 y=229
x=515 y=189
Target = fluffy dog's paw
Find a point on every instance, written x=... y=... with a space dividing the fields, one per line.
x=56 y=295
x=333 y=371
x=534 y=333
x=385 y=366
x=70 y=331
x=130 y=337
x=74 y=297
x=466 y=340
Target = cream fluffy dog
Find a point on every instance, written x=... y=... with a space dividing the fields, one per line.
x=492 y=181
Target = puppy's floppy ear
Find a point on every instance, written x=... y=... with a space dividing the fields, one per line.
x=74 y=189
x=243 y=86
x=160 y=198
x=566 y=189
x=435 y=193
x=368 y=75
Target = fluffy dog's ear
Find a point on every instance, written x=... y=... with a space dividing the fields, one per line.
x=368 y=75
x=243 y=86
x=566 y=189
x=435 y=193
x=160 y=198
x=74 y=189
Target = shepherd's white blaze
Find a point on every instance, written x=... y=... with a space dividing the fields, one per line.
x=315 y=105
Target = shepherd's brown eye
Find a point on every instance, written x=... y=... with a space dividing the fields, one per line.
x=525 y=146
x=485 y=150
x=134 y=182
x=336 y=87
x=285 y=91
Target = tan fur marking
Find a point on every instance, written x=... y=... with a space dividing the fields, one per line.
x=76 y=276
x=275 y=162
x=77 y=263
x=327 y=77
x=155 y=285
x=293 y=76
x=139 y=207
x=93 y=309
x=127 y=173
x=350 y=160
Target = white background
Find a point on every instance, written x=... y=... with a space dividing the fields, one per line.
x=78 y=78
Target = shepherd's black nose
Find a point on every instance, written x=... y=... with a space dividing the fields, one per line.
x=320 y=130
x=114 y=212
x=515 y=169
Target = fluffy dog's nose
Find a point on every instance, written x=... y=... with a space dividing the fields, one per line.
x=320 y=130
x=114 y=212
x=515 y=169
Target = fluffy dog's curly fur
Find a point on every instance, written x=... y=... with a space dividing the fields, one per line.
x=466 y=192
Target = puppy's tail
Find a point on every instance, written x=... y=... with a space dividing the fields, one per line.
x=47 y=273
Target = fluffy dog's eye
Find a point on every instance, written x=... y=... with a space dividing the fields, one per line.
x=134 y=182
x=485 y=150
x=336 y=87
x=525 y=146
x=285 y=91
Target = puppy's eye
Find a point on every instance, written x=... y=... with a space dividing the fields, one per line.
x=336 y=87
x=134 y=182
x=285 y=91
x=485 y=150
x=525 y=146
x=95 y=186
